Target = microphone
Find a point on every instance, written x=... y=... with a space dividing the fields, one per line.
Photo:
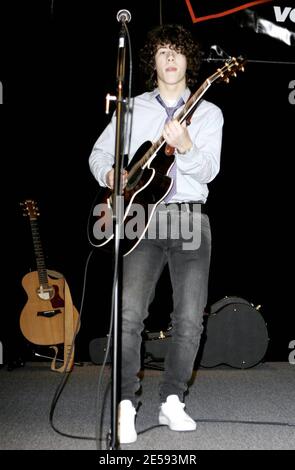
x=123 y=16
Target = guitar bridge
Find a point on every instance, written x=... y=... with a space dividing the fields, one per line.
x=49 y=313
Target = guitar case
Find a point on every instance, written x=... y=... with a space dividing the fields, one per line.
x=154 y=348
x=235 y=334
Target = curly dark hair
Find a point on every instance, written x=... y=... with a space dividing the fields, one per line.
x=179 y=39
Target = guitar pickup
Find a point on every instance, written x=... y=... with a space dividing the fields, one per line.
x=49 y=313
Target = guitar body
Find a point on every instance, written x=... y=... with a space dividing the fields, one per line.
x=42 y=320
x=144 y=191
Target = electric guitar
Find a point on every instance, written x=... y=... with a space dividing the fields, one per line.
x=148 y=183
x=49 y=316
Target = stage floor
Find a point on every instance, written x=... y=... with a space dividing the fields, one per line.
x=234 y=409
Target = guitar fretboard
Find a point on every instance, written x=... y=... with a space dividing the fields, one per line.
x=40 y=260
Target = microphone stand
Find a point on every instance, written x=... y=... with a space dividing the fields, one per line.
x=117 y=225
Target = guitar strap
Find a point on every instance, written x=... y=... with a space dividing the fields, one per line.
x=69 y=329
x=69 y=333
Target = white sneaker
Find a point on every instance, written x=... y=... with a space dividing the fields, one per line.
x=126 y=422
x=172 y=414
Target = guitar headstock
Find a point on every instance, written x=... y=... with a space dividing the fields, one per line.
x=230 y=69
x=30 y=208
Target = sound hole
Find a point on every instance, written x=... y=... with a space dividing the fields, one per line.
x=46 y=293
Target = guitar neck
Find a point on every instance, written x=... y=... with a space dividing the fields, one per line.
x=193 y=101
x=39 y=255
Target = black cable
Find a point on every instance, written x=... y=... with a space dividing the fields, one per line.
x=66 y=374
x=223 y=421
x=51 y=8
x=161 y=12
x=226 y=421
x=257 y=423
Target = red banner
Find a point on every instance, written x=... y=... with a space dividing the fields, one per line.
x=201 y=12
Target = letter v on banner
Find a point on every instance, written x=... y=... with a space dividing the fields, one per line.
x=281 y=14
x=197 y=13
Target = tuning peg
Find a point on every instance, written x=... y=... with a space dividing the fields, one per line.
x=227 y=80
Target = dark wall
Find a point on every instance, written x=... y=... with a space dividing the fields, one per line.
x=57 y=66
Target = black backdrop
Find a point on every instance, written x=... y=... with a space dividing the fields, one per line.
x=58 y=62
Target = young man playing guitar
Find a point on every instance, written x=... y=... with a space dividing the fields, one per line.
x=171 y=59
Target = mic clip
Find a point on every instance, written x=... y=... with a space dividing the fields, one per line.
x=111 y=98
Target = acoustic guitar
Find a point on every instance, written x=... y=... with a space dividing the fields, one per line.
x=148 y=183
x=49 y=316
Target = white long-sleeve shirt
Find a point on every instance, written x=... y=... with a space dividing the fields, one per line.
x=194 y=169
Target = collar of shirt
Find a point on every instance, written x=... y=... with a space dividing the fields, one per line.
x=185 y=95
